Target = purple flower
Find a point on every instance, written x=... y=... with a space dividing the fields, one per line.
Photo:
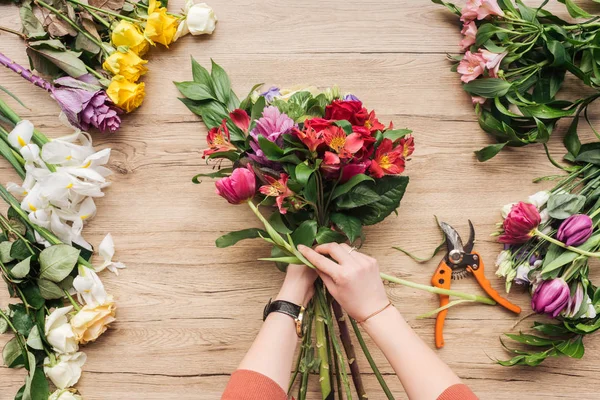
x=350 y=96
x=272 y=125
x=550 y=297
x=86 y=104
x=270 y=94
x=574 y=303
x=575 y=230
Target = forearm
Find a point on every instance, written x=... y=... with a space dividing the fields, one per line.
x=422 y=373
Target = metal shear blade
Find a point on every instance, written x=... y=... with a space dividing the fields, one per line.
x=456 y=250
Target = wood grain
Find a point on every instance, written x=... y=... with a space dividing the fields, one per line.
x=188 y=311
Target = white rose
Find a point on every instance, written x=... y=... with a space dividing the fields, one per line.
x=65 y=394
x=59 y=332
x=89 y=287
x=544 y=216
x=539 y=199
x=199 y=19
x=506 y=209
x=66 y=370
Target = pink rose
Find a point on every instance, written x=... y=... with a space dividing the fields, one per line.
x=470 y=32
x=471 y=66
x=492 y=61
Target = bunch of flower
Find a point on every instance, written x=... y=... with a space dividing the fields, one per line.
x=100 y=45
x=44 y=260
x=514 y=63
x=548 y=242
x=323 y=166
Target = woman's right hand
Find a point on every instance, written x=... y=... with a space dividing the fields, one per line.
x=352 y=278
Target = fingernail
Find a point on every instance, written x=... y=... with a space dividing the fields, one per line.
x=301 y=247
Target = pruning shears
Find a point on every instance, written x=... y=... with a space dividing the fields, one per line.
x=459 y=262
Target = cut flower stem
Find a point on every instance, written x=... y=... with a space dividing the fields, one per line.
x=550 y=239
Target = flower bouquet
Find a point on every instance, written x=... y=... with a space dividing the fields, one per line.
x=322 y=167
x=44 y=259
x=99 y=46
x=514 y=63
x=548 y=243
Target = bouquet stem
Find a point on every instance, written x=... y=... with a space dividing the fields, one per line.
x=25 y=73
x=561 y=244
x=321 y=336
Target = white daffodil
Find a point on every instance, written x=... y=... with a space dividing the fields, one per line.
x=89 y=287
x=106 y=250
x=66 y=370
x=59 y=332
x=21 y=134
x=199 y=19
x=65 y=394
x=539 y=199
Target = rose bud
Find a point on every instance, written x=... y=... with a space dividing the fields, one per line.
x=520 y=223
x=575 y=230
x=238 y=188
x=551 y=297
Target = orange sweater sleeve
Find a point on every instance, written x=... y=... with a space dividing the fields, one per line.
x=458 y=392
x=251 y=385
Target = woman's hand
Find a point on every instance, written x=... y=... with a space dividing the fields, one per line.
x=298 y=286
x=352 y=279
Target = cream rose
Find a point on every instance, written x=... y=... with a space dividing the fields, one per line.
x=199 y=19
x=65 y=394
x=59 y=332
x=66 y=370
x=92 y=321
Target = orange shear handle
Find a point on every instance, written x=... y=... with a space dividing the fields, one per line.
x=487 y=287
x=442 y=278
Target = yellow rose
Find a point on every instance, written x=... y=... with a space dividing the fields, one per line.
x=160 y=27
x=126 y=94
x=130 y=35
x=91 y=322
x=128 y=64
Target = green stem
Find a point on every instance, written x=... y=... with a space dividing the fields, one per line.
x=76 y=306
x=73 y=24
x=145 y=7
x=367 y=353
x=21 y=35
x=447 y=306
x=321 y=336
x=432 y=289
x=561 y=244
x=100 y=19
x=94 y=72
x=107 y=12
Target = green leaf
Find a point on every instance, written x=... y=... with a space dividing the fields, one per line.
x=352 y=182
x=221 y=82
x=485 y=33
x=20 y=319
x=194 y=90
x=277 y=223
x=557 y=49
x=233 y=237
x=32 y=27
x=574 y=10
x=223 y=172
x=310 y=190
x=303 y=172
x=271 y=150
x=572 y=348
x=257 y=108
x=201 y=75
x=68 y=61
x=563 y=205
x=327 y=235
x=571 y=139
x=358 y=196
x=36 y=385
x=551 y=329
x=589 y=156
x=33 y=296
x=50 y=290
x=12 y=355
x=56 y=262
x=21 y=270
x=530 y=340
x=351 y=226
x=34 y=339
x=395 y=134
x=488 y=87
x=3 y=326
x=390 y=190
x=489 y=152
x=305 y=234
x=568 y=256
x=283 y=260
x=19 y=250
x=5 y=248
x=345 y=125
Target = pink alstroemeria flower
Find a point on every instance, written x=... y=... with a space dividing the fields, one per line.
x=470 y=35
x=277 y=188
x=492 y=61
x=471 y=66
x=480 y=9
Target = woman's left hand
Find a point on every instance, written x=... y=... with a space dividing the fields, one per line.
x=298 y=286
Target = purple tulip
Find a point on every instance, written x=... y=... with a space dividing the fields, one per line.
x=551 y=297
x=575 y=230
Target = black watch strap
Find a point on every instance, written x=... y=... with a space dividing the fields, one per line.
x=284 y=307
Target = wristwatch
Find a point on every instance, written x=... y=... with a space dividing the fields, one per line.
x=285 y=307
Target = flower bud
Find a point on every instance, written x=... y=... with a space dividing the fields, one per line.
x=550 y=297
x=539 y=199
x=520 y=223
x=575 y=230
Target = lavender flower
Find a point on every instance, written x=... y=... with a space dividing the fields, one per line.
x=351 y=97
x=272 y=125
x=270 y=94
x=575 y=230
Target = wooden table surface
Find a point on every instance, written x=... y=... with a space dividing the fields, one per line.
x=188 y=311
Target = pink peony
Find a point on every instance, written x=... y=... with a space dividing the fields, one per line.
x=492 y=61
x=471 y=66
x=470 y=32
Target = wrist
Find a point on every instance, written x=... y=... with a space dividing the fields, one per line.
x=381 y=318
x=296 y=295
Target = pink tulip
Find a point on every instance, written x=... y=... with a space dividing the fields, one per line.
x=471 y=66
x=551 y=297
x=492 y=61
x=480 y=9
x=520 y=223
x=238 y=188
x=470 y=32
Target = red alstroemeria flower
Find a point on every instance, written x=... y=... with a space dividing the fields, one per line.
x=277 y=188
x=388 y=160
x=310 y=137
x=218 y=140
x=343 y=145
x=408 y=146
x=241 y=119
x=373 y=124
